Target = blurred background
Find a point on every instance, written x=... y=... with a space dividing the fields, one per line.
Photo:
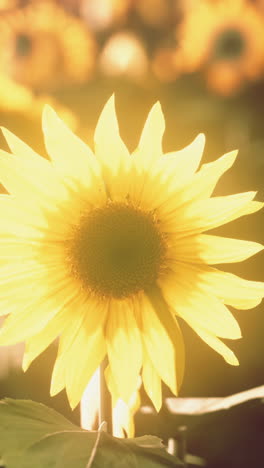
x=204 y=61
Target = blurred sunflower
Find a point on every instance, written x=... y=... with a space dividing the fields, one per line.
x=166 y=63
x=226 y=39
x=157 y=13
x=73 y=6
x=18 y=100
x=104 y=250
x=14 y=96
x=43 y=47
x=8 y=4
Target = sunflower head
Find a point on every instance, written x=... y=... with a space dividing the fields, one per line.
x=108 y=249
x=44 y=47
x=117 y=251
x=226 y=39
x=229 y=45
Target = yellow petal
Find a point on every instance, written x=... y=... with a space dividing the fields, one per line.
x=200 y=186
x=218 y=346
x=19 y=327
x=197 y=306
x=229 y=288
x=163 y=340
x=123 y=412
x=253 y=207
x=123 y=416
x=169 y=176
x=208 y=214
x=33 y=314
x=81 y=336
x=82 y=306
x=145 y=171
x=39 y=169
x=122 y=333
x=152 y=382
x=150 y=143
x=17 y=249
x=16 y=276
x=184 y=163
x=20 y=221
x=111 y=384
x=41 y=269
x=209 y=249
x=237 y=292
x=25 y=220
x=170 y=173
x=21 y=149
x=58 y=378
x=210 y=173
x=40 y=341
x=34 y=251
x=90 y=344
x=90 y=402
x=18 y=181
x=109 y=147
x=29 y=196
x=70 y=155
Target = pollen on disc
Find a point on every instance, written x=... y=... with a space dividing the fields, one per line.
x=117 y=250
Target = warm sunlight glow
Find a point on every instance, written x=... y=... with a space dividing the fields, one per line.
x=90 y=402
x=124 y=54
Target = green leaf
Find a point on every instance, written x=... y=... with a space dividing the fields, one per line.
x=155 y=450
x=33 y=435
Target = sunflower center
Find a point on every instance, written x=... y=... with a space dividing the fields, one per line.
x=23 y=45
x=229 y=45
x=117 y=250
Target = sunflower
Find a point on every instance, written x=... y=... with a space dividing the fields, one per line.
x=157 y=13
x=42 y=47
x=166 y=63
x=226 y=40
x=106 y=250
x=7 y=4
x=21 y=102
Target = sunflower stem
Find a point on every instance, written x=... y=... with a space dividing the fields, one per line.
x=105 y=405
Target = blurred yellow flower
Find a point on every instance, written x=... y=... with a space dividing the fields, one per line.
x=43 y=47
x=166 y=63
x=7 y=4
x=21 y=100
x=157 y=13
x=105 y=249
x=14 y=96
x=226 y=39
